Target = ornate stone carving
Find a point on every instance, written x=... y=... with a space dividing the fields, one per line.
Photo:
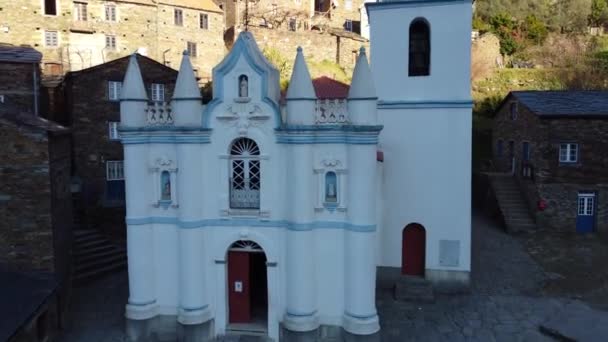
x=159 y=114
x=243 y=116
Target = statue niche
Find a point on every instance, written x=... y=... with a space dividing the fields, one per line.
x=243 y=86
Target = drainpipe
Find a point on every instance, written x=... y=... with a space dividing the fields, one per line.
x=35 y=80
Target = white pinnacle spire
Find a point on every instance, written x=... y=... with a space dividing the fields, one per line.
x=186 y=86
x=362 y=85
x=300 y=85
x=133 y=85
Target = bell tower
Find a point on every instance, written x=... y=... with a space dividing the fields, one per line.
x=420 y=61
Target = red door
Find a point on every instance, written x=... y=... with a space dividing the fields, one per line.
x=238 y=287
x=413 y=250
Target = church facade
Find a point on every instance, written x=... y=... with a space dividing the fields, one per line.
x=250 y=214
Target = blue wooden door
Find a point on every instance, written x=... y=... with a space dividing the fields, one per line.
x=585 y=219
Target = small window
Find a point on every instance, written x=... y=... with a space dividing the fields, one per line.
x=114 y=89
x=204 y=21
x=110 y=12
x=111 y=42
x=115 y=180
x=50 y=7
x=586 y=204
x=80 y=11
x=157 y=92
x=514 y=110
x=568 y=153
x=499 y=148
x=348 y=25
x=293 y=24
x=420 y=48
x=191 y=49
x=165 y=186
x=113 y=130
x=51 y=38
x=178 y=17
x=331 y=187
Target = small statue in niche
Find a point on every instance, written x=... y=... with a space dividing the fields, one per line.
x=165 y=186
x=330 y=187
x=243 y=86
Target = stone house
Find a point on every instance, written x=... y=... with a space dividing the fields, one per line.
x=555 y=143
x=93 y=111
x=20 y=65
x=333 y=25
x=74 y=35
x=36 y=226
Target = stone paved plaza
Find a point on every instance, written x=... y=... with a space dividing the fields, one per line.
x=505 y=304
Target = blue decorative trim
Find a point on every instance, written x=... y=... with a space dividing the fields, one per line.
x=164 y=135
x=187 y=98
x=292 y=226
x=424 y=104
x=410 y=3
x=195 y=308
x=301 y=314
x=328 y=134
x=164 y=129
x=219 y=72
x=330 y=206
x=346 y=313
x=375 y=98
x=142 y=304
x=132 y=100
x=301 y=99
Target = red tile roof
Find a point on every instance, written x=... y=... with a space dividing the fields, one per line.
x=328 y=88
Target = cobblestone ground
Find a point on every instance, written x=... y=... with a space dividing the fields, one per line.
x=505 y=304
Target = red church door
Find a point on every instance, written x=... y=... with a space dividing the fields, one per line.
x=413 y=250
x=239 y=301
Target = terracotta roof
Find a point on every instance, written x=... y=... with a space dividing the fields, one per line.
x=564 y=103
x=328 y=88
x=19 y=54
x=205 y=5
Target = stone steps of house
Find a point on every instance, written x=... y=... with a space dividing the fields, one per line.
x=95 y=256
x=414 y=289
x=512 y=204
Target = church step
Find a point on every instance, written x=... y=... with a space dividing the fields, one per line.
x=83 y=277
x=90 y=244
x=99 y=262
x=83 y=238
x=85 y=252
x=100 y=254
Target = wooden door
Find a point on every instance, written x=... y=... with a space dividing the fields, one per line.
x=413 y=250
x=239 y=301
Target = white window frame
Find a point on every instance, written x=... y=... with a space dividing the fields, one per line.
x=81 y=11
x=188 y=48
x=568 y=153
x=157 y=92
x=111 y=42
x=113 y=130
x=331 y=165
x=203 y=24
x=47 y=40
x=115 y=170
x=110 y=12
x=114 y=89
x=585 y=204
x=176 y=16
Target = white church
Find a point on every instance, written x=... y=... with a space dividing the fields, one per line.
x=252 y=213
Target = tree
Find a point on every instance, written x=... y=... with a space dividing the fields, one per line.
x=536 y=30
x=599 y=13
x=572 y=15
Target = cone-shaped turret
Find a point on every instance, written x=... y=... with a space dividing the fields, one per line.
x=300 y=94
x=362 y=99
x=133 y=97
x=187 y=104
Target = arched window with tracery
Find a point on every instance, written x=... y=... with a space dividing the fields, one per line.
x=245 y=174
x=420 y=48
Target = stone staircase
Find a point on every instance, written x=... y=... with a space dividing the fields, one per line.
x=95 y=256
x=512 y=204
x=414 y=289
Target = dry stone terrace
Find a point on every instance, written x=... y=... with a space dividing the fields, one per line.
x=506 y=302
